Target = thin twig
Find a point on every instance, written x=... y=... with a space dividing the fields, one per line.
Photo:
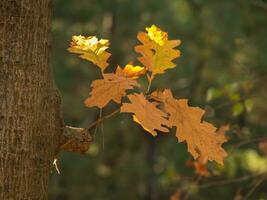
x=56 y=166
x=95 y=131
x=187 y=193
x=250 y=192
x=102 y=131
x=102 y=119
x=96 y=126
x=235 y=180
x=242 y=143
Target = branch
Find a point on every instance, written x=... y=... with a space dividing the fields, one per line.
x=257 y=183
x=234 y=180
x=95 y=123
x=260 y=4
x=254 y=140
x=76 y=140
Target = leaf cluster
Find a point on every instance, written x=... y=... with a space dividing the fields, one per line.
x=154 y=111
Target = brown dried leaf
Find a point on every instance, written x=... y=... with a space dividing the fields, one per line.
x=146 y=114
x=200 y=136
x=222 y=130
x=111 y=87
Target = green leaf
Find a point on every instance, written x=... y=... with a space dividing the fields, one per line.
x=249 y=104
x=213 y=93
x=237 y=109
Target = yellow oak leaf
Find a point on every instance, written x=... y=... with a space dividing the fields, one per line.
x=157 y=52
x=111 y=87
x=201 y=137
x=146 y=114
x=155 y=34
x=91 y=49
x=131 y=71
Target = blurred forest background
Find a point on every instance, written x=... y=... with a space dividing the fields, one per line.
x=223 y=68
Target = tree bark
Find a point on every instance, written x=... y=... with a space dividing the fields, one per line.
x=31 y=127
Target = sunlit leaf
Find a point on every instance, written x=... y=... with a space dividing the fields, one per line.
x=157 y=52
x=91 y=49
x=111 y=87
x=146 y=114
x=200 y=136
x=131 y=71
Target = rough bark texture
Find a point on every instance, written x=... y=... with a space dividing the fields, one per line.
x=30 y=120
x=31 y=129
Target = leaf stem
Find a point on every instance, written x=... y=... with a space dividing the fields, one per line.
x=149 y=82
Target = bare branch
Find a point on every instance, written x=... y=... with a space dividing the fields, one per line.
x=245 y=142
x=257 y=183
x=260 y=4
x=234 y=180
x=95 y=123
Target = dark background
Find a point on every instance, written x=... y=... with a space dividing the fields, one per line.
x=223 y=68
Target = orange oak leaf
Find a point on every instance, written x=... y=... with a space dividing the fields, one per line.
x=131 y=71
x=111 y=87
x=146 y=114
x=91 y=49
x=222 y=130
x=200 y=136
x=200 y=167
x=157 y=51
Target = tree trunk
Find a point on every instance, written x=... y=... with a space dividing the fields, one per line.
x=30 y=121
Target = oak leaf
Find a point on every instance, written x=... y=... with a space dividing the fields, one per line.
x=146 y=114
x=157 y=51
x=131 y=71
x=200 y=167
x=200 y=136
x=111 y=87
x=222 y=130
x=91 y=49
x=155 y=34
